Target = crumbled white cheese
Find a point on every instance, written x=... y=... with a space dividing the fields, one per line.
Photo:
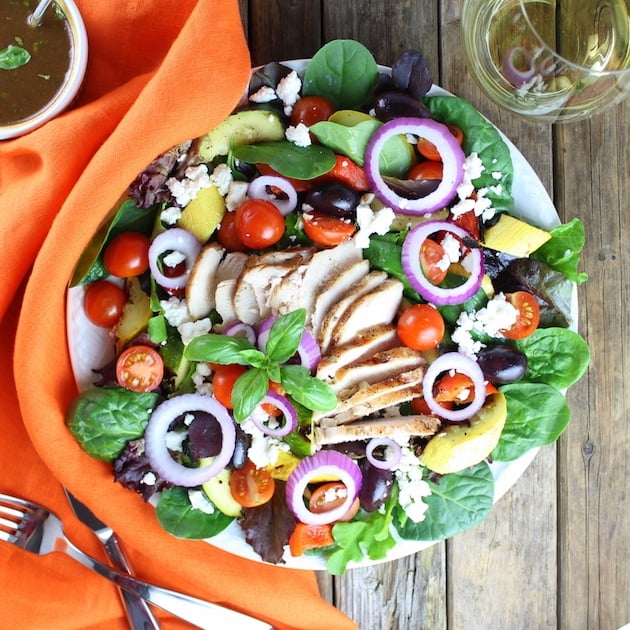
x=370 y=222
x=190 y=330
x=412 y=487
x=222 y=178
x=451 y=247
x=265 y=94
x=175 y=311
x=170 y=215
x=236 y=195
x=174 y=258
x=149 y=479
x=480 y=205
x=174 y=440
x=199 y=501
x=185 y=190
x=264 y=449
x=200 y=379
x=299 y=135
x=288 y=90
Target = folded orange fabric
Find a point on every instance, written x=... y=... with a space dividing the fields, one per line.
x=159 y=73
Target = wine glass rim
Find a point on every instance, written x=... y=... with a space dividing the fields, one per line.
x=557 y=56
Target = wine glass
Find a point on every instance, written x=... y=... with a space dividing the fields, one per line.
x=549 y=60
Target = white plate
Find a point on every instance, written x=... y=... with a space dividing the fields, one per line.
x=91 y=347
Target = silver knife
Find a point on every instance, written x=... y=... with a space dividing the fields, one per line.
x=139 y=615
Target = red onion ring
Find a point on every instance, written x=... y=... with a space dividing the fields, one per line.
x=452 y=159
x=413 y=268
x=155 y=439
x=258 y=189
x=393 y=453
x=308 y=350
x=176 y=240
x=287 y=410
x=240 y=329
x=459 y=363
x=322 y=465
x=513 y=73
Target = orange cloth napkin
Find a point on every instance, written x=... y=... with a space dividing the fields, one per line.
x=159 y=73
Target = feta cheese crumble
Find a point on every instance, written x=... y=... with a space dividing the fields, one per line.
x=264 y=449
x=479 y=203
x=370 y=222
x=288 y=91
x=299 y=135
x=185 y=190
x=412 y=487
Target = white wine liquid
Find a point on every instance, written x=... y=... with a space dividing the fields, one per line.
x=553 y=62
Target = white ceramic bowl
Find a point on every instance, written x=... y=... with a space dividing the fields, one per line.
x=73 y=81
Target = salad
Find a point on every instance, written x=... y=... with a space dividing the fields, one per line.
x=327 y=321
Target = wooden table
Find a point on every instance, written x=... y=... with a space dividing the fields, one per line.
x=555 y=551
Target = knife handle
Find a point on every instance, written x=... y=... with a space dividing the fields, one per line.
x=139 y=615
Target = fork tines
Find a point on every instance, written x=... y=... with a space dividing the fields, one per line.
x=10 y=518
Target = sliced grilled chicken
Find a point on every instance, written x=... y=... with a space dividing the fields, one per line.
x=334 y=290
x=365 y=343
x=399 y=426
x=334 y=315
x=378 y=367
x=378 y=306
x=229 y=270
x=201 y=285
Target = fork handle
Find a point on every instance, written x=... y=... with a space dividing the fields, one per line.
x=196 y=611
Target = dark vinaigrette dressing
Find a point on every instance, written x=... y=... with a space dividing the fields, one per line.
x=26 y=90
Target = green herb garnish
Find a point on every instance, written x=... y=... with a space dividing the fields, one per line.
x=13 y=57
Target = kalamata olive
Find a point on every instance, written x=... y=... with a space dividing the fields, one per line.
x=391 y=105
x=241 y=446
x=334 y=199
x=377 y=484
x=502 y=363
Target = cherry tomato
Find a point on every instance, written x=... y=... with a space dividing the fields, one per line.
x=270 y=409
x=311 y=109
x=327 y=497
x=103 y=302
x=426 y=170
x=431 y=253
x=327 y=230
x=223 y=380
x=127 y=255
x=305 y=537
x=258 y=223
x=226 y=234
x=427 y=149
x=140 y=369
x=457 y=388
x=421 y=327
x=528 y=315
x=251 y=486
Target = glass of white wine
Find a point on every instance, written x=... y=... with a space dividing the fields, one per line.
x=549 y=60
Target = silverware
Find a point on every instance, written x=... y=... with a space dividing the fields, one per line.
x=36 y=529
x=139 y=615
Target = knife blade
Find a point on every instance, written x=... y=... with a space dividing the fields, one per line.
x=139 y=615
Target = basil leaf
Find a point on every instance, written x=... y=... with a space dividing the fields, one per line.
x=178 y=517
x=537 y=414
x=13 y=57
x=249 y=389
x=288 y=159
x=255 y=358
x=556 y=356
x=222 y=349
x=344 y=71
x=285 y=335
x=458 y=502
x=306 y=389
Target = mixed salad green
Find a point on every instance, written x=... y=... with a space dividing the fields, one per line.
x=219 y=413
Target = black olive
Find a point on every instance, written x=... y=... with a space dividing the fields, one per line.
x=502 y=363
x=241 y=446
x=390 y=105
x=377 y=484
x=334 y=199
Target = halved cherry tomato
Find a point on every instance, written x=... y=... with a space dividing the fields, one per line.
x=311 y=109
x=127 y=255
x=420 y=327
x=103 y=303
x=428 y=169
x=528 y=314
x=326 y=230
x=223 y=380
x=139 y=369
x=347 y=172
x=258 y=223
x=226 y=234
x=431 y=255
x=428 y=150
x=306 y=537
x=251 y=486
x=327 y=497
x=457 y=388
x=270 y=409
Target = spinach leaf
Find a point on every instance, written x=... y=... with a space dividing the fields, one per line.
x=287 y=158
x=480 y=137
x=458 y=502
x=562 y=251
x=104 y=419
x=537 y=414
x=343 y=71
x=13 y=57
x=178 y=517
x=556 y=356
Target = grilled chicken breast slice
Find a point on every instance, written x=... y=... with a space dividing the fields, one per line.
x=201 y=285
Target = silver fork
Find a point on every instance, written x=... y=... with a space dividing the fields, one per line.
x=36 y=529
